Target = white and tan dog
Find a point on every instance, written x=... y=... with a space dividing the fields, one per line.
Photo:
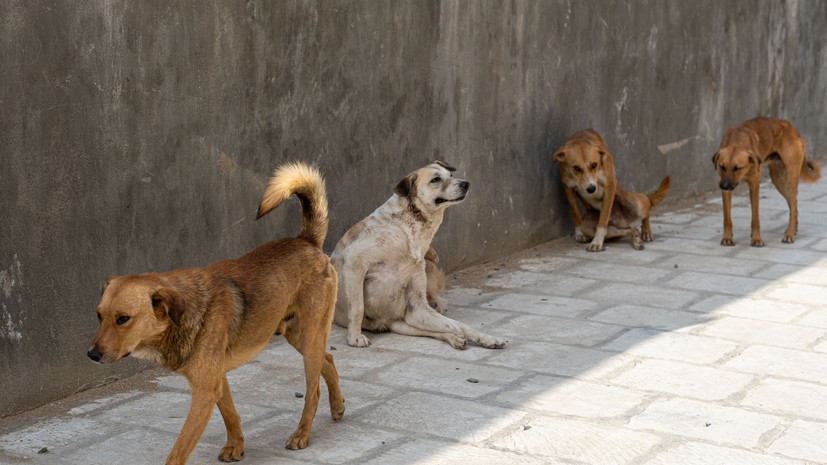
x=381 y=262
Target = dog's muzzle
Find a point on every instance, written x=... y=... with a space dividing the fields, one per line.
x=591 y=188
x=95 y=354
x=726 y=185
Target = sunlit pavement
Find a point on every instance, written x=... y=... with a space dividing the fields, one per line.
x=684 y=353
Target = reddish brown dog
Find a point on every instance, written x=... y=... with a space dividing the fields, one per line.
x=203 y=322
x=744 y=150
x=588 y=173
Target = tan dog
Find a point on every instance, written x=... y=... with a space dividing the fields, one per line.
x=203 y=322
x=387 y=269
x=744 y=150
x=588 y=173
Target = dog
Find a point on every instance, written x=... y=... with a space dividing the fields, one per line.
x=744 y=150
x=588 y=173
x=203 y=322
x=388 y=270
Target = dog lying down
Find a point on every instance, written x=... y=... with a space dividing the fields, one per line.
x=588 y=173
x=203 y=322
x=388 y=272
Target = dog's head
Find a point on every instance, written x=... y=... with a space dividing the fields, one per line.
x=433 y=188
x=584 y=162
x=733 y=163
x=133 y=310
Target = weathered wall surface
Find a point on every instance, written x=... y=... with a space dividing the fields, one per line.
x=139 y=136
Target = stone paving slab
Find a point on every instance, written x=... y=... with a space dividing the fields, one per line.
x=686 y=352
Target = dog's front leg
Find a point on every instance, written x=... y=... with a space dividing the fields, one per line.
x=726 y=199
x=603 y=222
x=234 y=449
x=574 y=211
x=353 y=284
x=755 y=224
x=205 y=394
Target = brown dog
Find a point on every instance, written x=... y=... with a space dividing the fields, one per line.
x=588 y=173
x=203 y=322
x=744 y=150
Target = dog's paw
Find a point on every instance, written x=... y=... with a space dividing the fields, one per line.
x=788 y=239
x=636 y=242
x=456 y=341
x=491 y=342
x=647 y=236
x=358 y=341
x=757 y=242
x=298 y=440
x=232 y=452
x=595 y=247
x=727 y=241
x=438 y=305
x=582 y=238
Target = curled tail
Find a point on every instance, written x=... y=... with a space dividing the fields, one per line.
x=308 y=185
x=810 y=171
x=657 y=196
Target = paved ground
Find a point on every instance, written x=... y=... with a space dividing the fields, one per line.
x=683 y=353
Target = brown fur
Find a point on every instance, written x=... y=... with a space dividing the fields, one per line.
x=389 y=278
x=745 y=149
x=203 y=322
x=609 y=211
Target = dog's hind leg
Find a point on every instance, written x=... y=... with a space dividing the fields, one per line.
x=234 y=449
x=457 y=341
x=424 y=318
x=786 y=181
x=615 y=232
x=313 y=355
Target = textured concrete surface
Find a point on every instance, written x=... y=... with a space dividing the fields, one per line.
x=139 y=136
x=683 y=353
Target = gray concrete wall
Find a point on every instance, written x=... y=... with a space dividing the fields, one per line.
x=139 y=136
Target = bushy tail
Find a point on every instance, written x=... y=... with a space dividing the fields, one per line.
x=657 y=196
x=811 y=171
x=308 y=185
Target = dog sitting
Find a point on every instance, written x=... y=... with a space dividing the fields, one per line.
x=388 y=271
x=203 y=322
x=744 y=150
x=588 y=173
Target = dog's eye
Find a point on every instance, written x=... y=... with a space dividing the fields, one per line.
x=577 y=169
x=436 y=179
x=736 y=168
x=122 y=320
x=594 y=166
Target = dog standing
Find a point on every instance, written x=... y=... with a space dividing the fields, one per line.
x=588 y=173
x=203 y=322
x=744 y=150
x=387 y=269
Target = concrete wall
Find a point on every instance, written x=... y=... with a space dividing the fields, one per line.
x=139 y=136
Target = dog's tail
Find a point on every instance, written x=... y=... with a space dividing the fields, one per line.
x=308 y=185
x=810 y=171
x=657 y=196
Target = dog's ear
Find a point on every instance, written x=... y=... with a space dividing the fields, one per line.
x=406 y=187
x=559 y=155
x=754 y=159
x=106 y=283
x=715 y=159
x=167 y=302
x=444 y=165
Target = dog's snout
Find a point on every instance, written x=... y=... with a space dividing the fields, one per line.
x=94 y=354
x=726 y=185
x=464 y=185
x=591 y=188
